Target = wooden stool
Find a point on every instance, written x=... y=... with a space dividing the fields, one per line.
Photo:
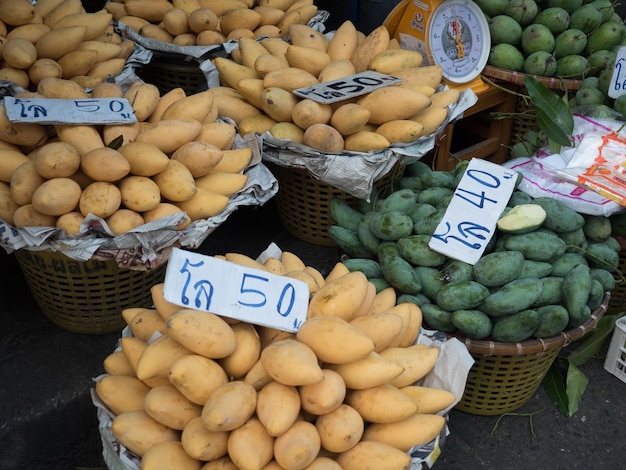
x=477 y=134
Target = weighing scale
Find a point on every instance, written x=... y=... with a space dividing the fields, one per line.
x=453 y=34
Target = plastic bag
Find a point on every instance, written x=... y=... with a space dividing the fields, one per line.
x=557 y=175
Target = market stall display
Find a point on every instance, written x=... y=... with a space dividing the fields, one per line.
x=197 y=378
x=572 y=49
x=567 y=41
x=117 y=196
x=59 y=40
x=539 y=284
x=327 y=121
x=177 y=43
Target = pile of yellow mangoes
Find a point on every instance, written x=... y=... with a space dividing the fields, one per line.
x=176 y=157
x=58 y=38
x=214 y=392
x=210 y=22
x=264 y=73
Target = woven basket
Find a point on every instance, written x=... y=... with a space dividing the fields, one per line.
x=303 y=202
x=167 y=73
x=517 y=78
x=86 y=296
x=506 y=375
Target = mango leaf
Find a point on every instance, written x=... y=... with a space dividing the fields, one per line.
x=576 y=385
x=554 y=385
x=553 y=115
x=590 y=345
x=116 y=143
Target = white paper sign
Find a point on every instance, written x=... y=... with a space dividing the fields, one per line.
x=347 y=87
x=617 y=85
x=231 y=290
x=70 y=111
x=471 y=217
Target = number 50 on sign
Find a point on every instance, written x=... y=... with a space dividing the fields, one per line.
x=213 y=285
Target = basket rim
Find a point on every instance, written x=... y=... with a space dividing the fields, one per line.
x=539 y=345
x=517 y=78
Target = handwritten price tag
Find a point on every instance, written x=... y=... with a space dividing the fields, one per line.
x=348 y=87
x=471 y=217
x=70 y=111
x=207 y=283
x=617 y=85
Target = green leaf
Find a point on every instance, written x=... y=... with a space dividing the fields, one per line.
x=576 y=385
x=553 y=116
x=554 y=386
x=116 y=143
x=554 y=147
x=591 y=344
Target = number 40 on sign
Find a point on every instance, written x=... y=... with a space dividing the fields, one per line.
x=472 y=215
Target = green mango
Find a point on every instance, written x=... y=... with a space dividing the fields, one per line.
x=523 y=11
x=557 y=19
x=570 y=41
x=421 y=210
x=519 y=197
x=619 y=105
x=597 y=228
x=604 y=80
x=537 y=37
x=505 y=29
x=586 y=18
x=472 y=323
x=572 y=66
x=590 y=81
x=540 y=63
x=587 y=95
x=605 y=278
x=575 y=290
x=606 y=8
x=568 y=5
x=552 y=320
x=517 y=327
x=492 y=7
x=600 y=60
x=606 y=36
x=417 y=168
x=506 y=56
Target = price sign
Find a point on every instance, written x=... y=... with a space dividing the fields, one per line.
x=617 y=85
x=70 y=111
x=471 y=217
x=347 y=87
x=252 y=295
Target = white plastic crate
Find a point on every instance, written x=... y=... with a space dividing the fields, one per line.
x=615 y=361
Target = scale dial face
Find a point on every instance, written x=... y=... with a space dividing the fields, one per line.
x=458 y=40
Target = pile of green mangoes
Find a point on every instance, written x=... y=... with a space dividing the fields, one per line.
x=536 y=277
x=570 y=39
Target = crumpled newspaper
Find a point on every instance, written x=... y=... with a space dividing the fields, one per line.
x=355 y=172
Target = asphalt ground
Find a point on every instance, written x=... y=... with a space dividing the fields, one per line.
x=47 y=419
